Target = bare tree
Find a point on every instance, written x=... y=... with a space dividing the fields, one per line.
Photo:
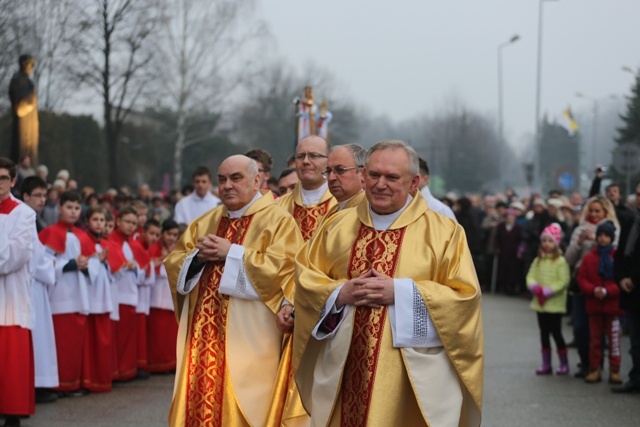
x=37 y=27
x=206 y=49
x=112 y=53
x=7 y=62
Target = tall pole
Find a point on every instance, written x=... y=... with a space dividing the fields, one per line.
x=594 y=139
x=501 y=144
x=594 y=124
x=537 y=175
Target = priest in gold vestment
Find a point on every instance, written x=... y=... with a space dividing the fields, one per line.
x=388 y=328
x=311 y=200
x=309 y=203
x=345 y=176
x=229 y=274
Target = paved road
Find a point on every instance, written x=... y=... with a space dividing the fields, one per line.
x=514 y=396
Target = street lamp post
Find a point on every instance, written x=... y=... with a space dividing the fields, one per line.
x=594 y=123
x=501 y=145
x=594 y=127
x=538 y=141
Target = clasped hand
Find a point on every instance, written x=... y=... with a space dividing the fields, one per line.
x=102 y=256
x=82 y=262
x=284 y=319
x=373 y=289
x=212 y=248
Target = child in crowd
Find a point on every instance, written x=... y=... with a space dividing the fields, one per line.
x=127 y=283
x=17 y=233
x=97 y=363
x=118 y=266
x=149 y=241
x=548 y=280
x=72 y=249
x=43 y=278
x=602 y=298
x=162 y=326
x=143 y=213
x=110 y=223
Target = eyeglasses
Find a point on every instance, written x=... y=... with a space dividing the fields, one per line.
x=312 y=156
x=339 y=170
x=5 y=178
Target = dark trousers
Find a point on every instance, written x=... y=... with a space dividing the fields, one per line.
x=580 y=328
x=550 y=325
x=633 y=322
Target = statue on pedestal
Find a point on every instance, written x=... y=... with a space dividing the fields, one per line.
x=24 y=106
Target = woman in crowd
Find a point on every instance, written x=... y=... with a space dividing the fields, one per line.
x=597 y=210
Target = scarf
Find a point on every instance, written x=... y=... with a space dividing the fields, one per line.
x=605 y=268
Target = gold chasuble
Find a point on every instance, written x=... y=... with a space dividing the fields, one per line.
x=229 y=348
x=351 y=203
x=307 y=218
x=358 y=377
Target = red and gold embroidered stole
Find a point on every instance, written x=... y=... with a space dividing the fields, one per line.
x=309 y=218
x=206 y=363
x=379 y=250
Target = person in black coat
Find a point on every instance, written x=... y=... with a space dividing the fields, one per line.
x=470 y=219
x=628 y=274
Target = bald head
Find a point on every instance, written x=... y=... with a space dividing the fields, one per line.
x=241 y=161
x=311 y=161
x=317 y=142
x=238 y=181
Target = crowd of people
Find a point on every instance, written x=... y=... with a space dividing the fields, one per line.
x=295 y=270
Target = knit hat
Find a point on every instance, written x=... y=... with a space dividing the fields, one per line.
x=518 y=205
x=556 y=203
x=554 y=231
x=539 y=202
x=607 y=228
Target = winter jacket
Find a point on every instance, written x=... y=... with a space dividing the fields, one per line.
x=589 y=279
x=553 y=274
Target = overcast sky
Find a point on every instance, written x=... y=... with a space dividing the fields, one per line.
x=404 y=57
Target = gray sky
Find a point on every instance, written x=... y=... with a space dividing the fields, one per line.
x=405 y=57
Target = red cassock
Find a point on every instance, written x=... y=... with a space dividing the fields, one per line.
x=99 y=347
x=127 y=327
x=17 y=377
x=162 y=328
x=70 y=328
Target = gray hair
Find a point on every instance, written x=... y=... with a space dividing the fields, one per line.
x=357 y=151
x=395 y=144
x=252 y=167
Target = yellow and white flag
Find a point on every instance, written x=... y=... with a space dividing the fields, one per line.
x=567 y=122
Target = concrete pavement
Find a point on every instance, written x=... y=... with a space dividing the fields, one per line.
x=514 y=396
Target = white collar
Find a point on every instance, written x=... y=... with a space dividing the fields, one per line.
x=343 y=204
x=241 y=211
x=382 y=222
x=312 y=197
